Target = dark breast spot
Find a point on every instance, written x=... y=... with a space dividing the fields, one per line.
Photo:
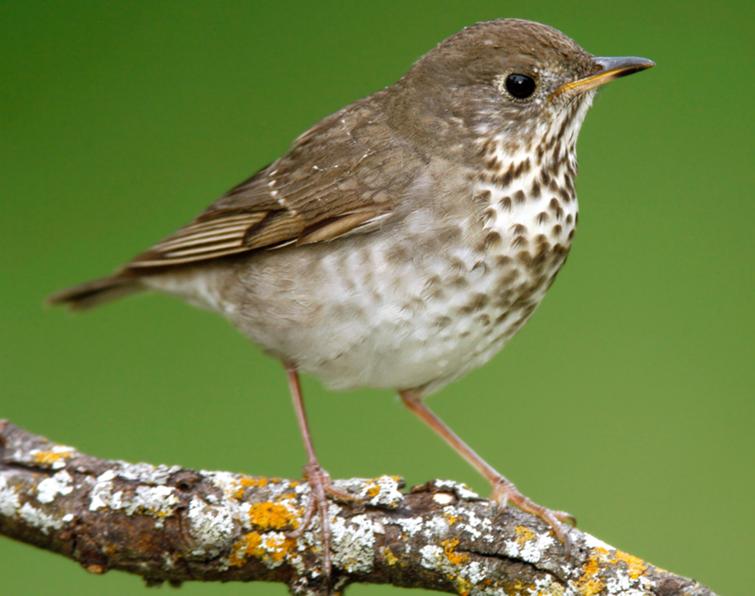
x=482 y=198
x=492 y=240
x=535 y=190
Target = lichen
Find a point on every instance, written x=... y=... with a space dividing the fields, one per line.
x=60 y=483
x=635 y=566
x=269 y=515
x=390 y=558
x=383 y=491
x=449 y=550
x=53 y=458
x=9 y=503
x=249 y=482
x=528 y=546
x=589 y=583
x=353 y=542
x=211 y=527
x=461 y=490
x=455 y=566
x=156 y=501
x=612 y=572
x=37 y=518
x=272 y=548
x=444 y=498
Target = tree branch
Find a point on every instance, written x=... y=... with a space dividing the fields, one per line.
x=168 y=523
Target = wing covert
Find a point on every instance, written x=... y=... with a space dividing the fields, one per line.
x=345 y=175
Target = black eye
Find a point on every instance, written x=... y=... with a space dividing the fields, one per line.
x=520 y=86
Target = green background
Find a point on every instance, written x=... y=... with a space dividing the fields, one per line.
x=627 y=400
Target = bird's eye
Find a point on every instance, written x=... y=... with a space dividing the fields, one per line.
x=520 y=86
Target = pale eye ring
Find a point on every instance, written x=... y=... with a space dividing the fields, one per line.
x=520 y=86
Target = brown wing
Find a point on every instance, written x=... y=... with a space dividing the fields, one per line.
x=343 y=176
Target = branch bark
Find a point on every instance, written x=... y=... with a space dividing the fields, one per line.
x=167 y=523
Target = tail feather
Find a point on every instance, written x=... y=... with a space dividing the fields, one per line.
x=95 y=292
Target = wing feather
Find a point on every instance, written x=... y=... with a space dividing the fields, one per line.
x=346 y=175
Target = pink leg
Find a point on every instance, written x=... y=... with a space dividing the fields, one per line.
x=318 y=479
x=503 y=489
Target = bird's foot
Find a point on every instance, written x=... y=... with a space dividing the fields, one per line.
x=321 y=487
x=505 y=492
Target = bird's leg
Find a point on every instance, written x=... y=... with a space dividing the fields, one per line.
x=318 y=479
x=504 y=491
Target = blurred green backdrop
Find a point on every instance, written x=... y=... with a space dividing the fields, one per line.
x=120 y=121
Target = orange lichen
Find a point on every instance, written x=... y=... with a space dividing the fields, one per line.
x=373 y=491
x=271 y=549
x=635 y=566
x=523 y=535
x=272 y=516
x=50 y=457
x=589 y=584
x=451 y=518
x=389 y=557
x=248 y=545
x=249 y=482
x=449 y=549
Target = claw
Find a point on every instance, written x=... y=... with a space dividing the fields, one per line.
x=504 y=492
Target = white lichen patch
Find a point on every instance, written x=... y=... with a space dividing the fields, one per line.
x=353 y=542
x=39 y=519
x=60 y=483
x=211 y=527
x=477 y=527
x=457 y=567
x=383 y=491
x=227 y=482
x=593 y=542
x=528 y=546
x=444 y=498
x=435 y=526
x=156 y=501
x=9 y=503
x=101 y=495
x=409 y=525
x=461 y=490
x=432 y=557
x=146 y=473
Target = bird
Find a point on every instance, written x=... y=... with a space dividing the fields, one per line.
x=403 y=240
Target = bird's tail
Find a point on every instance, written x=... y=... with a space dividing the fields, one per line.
x=95 y=292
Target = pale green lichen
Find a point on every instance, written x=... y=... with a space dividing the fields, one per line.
x=353 y=542
x=212 y=527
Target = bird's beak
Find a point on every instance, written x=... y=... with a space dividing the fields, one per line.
x=608 y=70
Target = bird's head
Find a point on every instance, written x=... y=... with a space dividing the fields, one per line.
x=509 y=77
